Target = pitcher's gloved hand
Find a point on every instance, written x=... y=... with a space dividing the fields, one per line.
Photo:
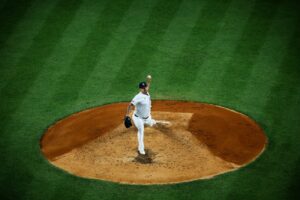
x=127 y=122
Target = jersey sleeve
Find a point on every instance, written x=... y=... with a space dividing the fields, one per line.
x=136 y=100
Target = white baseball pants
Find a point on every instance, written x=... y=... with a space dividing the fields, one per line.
x=139 y=124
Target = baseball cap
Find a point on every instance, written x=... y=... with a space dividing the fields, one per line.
x=142 y=85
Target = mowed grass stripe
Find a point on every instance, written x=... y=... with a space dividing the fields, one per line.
x=24 y=105
x=37 y=99
x=22 y=38
x=112 y=59
x=86 y=59
x=21 y=119
x=63 y=186
x=36 y=112
x=194 y=52
x=63 y=57
x=253 y=37
x=170 y=47
x=278 y=113
x=246 y=177
x=96 y=88
x=277 y=37
x=10 y=15
x=292 y=182
x=44 y=85
x=136 y=63
x=34 y=59
x=281 y=114
x=266 y=68
x=285 y=86
x=50 y=109
x=221 y=49
x=282 y=154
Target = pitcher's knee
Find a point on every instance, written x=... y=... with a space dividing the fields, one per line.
x=140 y=130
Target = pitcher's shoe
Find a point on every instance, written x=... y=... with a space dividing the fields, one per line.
x=164 y=123
x=142 y=152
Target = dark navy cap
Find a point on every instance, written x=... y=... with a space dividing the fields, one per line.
x=142 y=85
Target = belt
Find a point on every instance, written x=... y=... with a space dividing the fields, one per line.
x=141 y=117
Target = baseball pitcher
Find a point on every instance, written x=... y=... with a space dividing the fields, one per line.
x=142 y=113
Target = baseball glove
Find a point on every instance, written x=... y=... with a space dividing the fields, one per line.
x=127 y=122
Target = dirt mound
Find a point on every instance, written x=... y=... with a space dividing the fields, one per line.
x=202 y=141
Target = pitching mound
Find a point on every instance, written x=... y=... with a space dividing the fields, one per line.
x=201 y=141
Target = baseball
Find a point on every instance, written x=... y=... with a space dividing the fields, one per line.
x=149 y=77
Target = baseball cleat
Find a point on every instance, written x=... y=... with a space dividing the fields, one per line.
x=166 y=123
x=142 y=152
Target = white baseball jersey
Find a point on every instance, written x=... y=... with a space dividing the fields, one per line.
x=142 y=103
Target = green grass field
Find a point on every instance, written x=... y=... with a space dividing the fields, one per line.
x=58 y=57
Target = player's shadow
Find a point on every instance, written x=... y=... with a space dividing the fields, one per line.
x=148 y=158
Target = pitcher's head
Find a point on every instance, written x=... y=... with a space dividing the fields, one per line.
x=143 y=87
